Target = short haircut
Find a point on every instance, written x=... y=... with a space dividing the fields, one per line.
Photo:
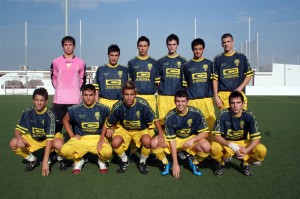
x=67 y=38
x=40 y=91
x=172 y=37
x=87 y=87
x=226 y=35
x=143 y=38
x=181 y=93
x=129 y=85
x=113 y=48
x=236 y=94
x=196 y=42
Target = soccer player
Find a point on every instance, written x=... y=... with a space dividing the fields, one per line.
x=35 y=130
x=135 y=116
x=232 y=72
x=170 y=77
x=231 y=131
x=84 y=123
x=68 y=74
x=110 y=78
x=197 y=78
x=185 y=130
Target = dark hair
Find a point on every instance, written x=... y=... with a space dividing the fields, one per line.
x=129 y=85
x=67 y=38
x=113 y=48
x=236 y=94
x=172 y=37
x=181 y=93
x=226 y=35
x=196 y=42
x=40 y=91
x=87 y=87
x=143 y=38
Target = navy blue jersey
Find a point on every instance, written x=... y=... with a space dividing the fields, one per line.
x=170 y=74
x=40 y=125
x=109 y=80
x=143 y=71
x=231 y=70
x=184 y=125
x=236 y=128
x=197 y=78
x=88 y=120
x=137 y=117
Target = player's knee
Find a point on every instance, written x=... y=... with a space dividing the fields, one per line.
x=13 y=144
x=260 y=151
x=58 y=143
x=206 y=147
x=146 y=141
x=117 y=142
x=154 y=142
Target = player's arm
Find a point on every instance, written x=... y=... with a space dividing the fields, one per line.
x=244 y=83
x=176 y=168
x=68 y=127
x=244 y=151
x=45 y=165
x=97 y=95
x=53 y=72
x=199 y=136
x=102 y=137
x=82 y=75
x=218 y=101
x=20 y=140
x=161 y=137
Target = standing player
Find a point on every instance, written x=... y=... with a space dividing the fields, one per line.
x=185 y=130
x=68 y=74
x=197 y=78
x=84 y=123
x=135 y=116
x=232 y=72
x=35 y=130
x=231 y=131
x=110 y=78
x=170 y=77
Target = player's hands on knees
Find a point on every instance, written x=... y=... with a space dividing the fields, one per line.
x=218 y=102
x=188 y=144
x=110 y=132
x=160 y=140
x=78 y=137
x=45 y=168
x=99 y=145
x=22 y=143
x=176 y=170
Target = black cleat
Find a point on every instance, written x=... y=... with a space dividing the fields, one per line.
x=30 y=165
x=62 y=165
x=143 y=168
x=220 y=170
x=122 y=167
x=246 y=170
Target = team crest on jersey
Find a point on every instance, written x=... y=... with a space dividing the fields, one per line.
x=138 y=114
x=150 y=66
x=242 y=123
x=236 y=62
x=189 y=122
x=120 y=73
x=178 y=64
x=205 y=67
x=97 y=115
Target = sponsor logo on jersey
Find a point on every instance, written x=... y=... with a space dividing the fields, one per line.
x=90 y=127
x=173 y=72
x=132 y=124
x=38 y=132
x=143 y=76
x=150 y=66
x=231 y=73
x=97 y=115
x=234 y=135
x=113 y=83
x=236 y=62
x=199 y=77
x=183 y=132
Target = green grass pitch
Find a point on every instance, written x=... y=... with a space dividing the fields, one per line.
x=278 y=177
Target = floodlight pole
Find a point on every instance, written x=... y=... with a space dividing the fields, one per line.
x=195 y=27
x=26 y=56
x=249 y=41
x=67 y=18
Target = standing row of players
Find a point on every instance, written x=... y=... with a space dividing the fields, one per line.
x=202 y=78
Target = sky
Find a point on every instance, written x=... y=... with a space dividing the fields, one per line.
x=31 y=30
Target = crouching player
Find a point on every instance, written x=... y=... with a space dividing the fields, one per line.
x=135 y=116
x=87 y=120
x=35 y=130
x=231 y=131
x=185 y=130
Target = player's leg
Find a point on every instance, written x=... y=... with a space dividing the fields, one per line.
x=58 y=142
x=217 y=154
x=159 y=149
x=105 y=154
x=145 y=152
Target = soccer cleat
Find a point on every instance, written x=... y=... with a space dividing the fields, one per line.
x=181 y=155
x=195 y=168
x=227 y=160
x=102 y=167
x=166 y=169
x=30 y=165
x=246 y=170
x=77 y=167
x=122 y=167
x=62 y=165
x=220 y=170
x=143 y=168
x=256 y=163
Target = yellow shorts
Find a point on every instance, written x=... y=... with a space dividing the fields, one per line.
x=206 y=106
x=107 y=102
x=34 y=145
x=151 y=99
x=224 y=96
x=165 y=104
x=179 y=144
x=128 y=135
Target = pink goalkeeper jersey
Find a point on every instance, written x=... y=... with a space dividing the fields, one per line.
x=67 y=76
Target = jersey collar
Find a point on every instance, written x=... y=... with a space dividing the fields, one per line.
x=115 y=66
x=41 y=112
